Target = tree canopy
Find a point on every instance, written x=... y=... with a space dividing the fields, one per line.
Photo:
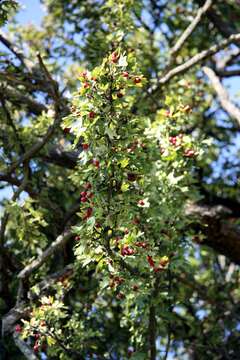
x=119 y=176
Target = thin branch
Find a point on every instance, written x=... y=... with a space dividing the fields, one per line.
x=18 y=98
x=225 y=28
x=228 y=73
x=59 y=109
x=55 y=93
x=189 y=30
x=180 y=69
x=35 y=264
x=12 y=48
x=167 y=345
x=11 y=124
x=228 y=59
x=222 y=94
x=36 y=147
x=152 y=333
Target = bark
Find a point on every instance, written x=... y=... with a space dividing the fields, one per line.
x=221 y=233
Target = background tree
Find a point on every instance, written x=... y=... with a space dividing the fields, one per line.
x=119 y=147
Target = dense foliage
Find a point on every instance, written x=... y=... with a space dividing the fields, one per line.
x=120 y=207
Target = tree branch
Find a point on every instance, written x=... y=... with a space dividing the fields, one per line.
x=22 y=309
x=12 y=48
x=24 y=347
x=225 y=28
x=189 y=30
x=35 y=264
x=222 y=94
x=180 y=69
x=220 y=233
x=17 y=98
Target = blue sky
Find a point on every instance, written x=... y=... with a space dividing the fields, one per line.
x=31 y=12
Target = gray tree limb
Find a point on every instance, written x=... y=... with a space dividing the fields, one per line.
x=180 y=69
x=24 y=347
x=227 y=105
x=189 y=30
x=35 y=264
x=221 y=234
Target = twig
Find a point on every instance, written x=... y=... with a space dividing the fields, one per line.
x=228 y=59
x=189 y=30
x=152 y=333
x=228 y=73
x=16 y=97
x=224 y=27
x=12 y=48
x=55 y=94
x=35 y=148
x=152 y=327
x=180 y=69
x=168 y=345
x=222 y=94
x=58 y=107
x=11 y=123
x=35 y=264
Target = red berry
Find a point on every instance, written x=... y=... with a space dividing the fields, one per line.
x=83 y=193
x=114 y=57
x=90 y=195
x=18 y=328
x=126 y=231
x=84 y=74
x=77 y=238
x=119 y=95
x=88 y=213
x=91 y=114
x=120 y=296
x=151 y=261
x=86 y=85
x=189 y=153
x=141 y=202
x=37 y=336
x=136 y=221
x=126 y=250
x=85 y=146
x=36 y=347
x=96 y=163
x=87 y=186
x=118 y=280
x=125 y=74
x=135 y=287
x=67 y=130
x=173 y=140
x=97 y=225
x=141 y=244
x=137 y=80
x=84 y=199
